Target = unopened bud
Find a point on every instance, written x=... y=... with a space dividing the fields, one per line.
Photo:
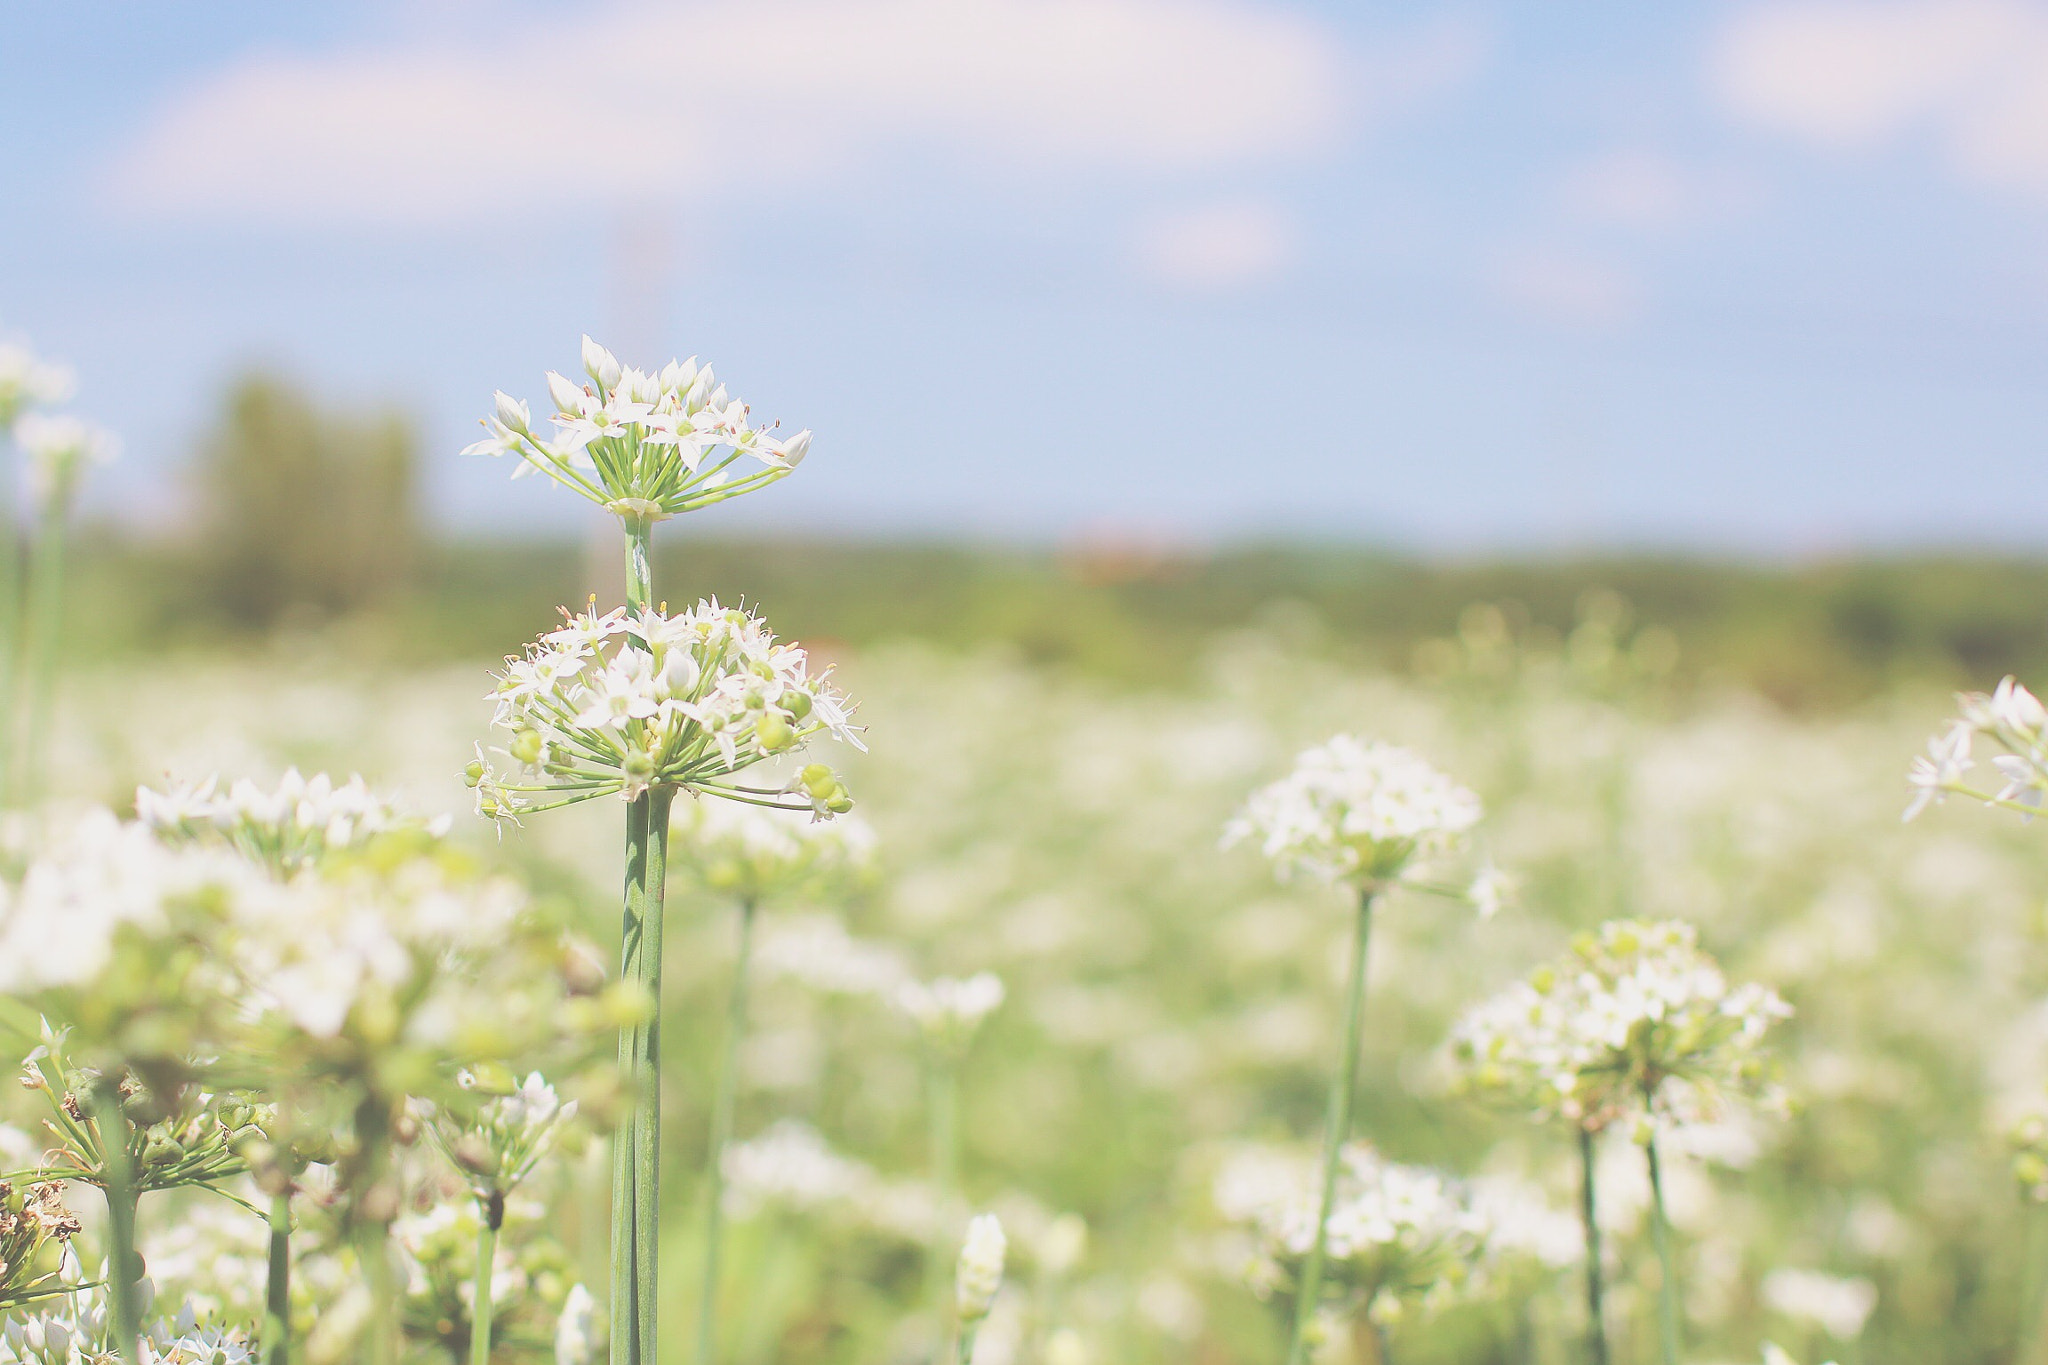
x=980 y=1272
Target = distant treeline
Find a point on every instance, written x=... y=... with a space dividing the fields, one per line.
x=308 y=523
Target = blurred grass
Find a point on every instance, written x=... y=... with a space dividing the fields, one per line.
x=1812 y=636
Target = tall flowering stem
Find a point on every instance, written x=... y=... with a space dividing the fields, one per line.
x=277 y=1288
x=26 y=383
x=1357 y=813
x=636 y=1162
x=122 y=1199
x=1596 y=1316
x=1343 y=1090
x=1667 y=1276
x=721 y=1136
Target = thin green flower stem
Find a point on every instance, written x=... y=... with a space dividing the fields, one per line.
x=122 y=1198
x=1596 y=1320
x=10 y=620
x=46 y=613
x=1343 y=1089
x=721 y=1136
x=277 y=1290
x=1667 y=1287
x=490 y=1213
x=968 y=1332
x=942 y=1081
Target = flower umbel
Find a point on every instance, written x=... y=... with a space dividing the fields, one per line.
x=1635 y=1015
x=619 y=704
x=59 y=447
x=645 y=445
x=2015 y=720
x=1355 y=809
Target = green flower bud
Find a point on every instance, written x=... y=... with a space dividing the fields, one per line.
x=639 y=767
x=839 y=805
x=819 y=780
x=526 y=746
x=774 y=732
x=798 y=704
x=473 y=772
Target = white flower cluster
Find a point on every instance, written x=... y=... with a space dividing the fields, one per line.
x=2013 y=718
x=792 y=1167
x=817 y=951
x=1635 y=1018
x=304 y=949
x=289 y=828
x=59 y=448
x=498 y=1145
x=948 y=1011
x=26 y=381
x=643 y=444
x=752 y=853
x=979 y=1273
x=78 y=1329
x=1396 y=1236
x=1838 y=1304
x=618 y=704
x=1355 y=809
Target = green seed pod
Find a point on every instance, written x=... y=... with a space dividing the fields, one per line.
x=798 y=704
x=819 y=780
x=774 y=733
x=473 y=772
x=526 y=746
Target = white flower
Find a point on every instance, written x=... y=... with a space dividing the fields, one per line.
x=610 y=704
x=1635 y=1015
x=27 y=382
x=642 y=444
x=1492 y=890
x=1839 y=1304
x=751 y=852
x=817 y=951
x=290 y=827
x=790 y=1165
x=980 y=1271
x=58 y=449
x=2012 y=717
x=949 y=1010
x=576 y=1329
x=497 y=1147
x=1355 y=808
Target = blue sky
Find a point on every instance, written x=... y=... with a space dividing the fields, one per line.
x=1765 y=278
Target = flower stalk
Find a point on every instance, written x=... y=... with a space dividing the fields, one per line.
x=122 y=1199
x=1343 y=1090
x=721 y=1136
x=46 y=614
x=277 y=1288
x=1667 y=1278
x=1596 y=1318
x=491 y=1215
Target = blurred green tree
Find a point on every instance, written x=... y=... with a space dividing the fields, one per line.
x=304 y=513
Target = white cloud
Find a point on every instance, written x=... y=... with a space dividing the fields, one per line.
x=1221 y=246
x=1569 y=287
x=1972 y=73
x=1641 y=188
x=739 y=100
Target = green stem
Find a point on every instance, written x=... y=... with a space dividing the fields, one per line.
x=1667 y=1287
x=122 y=1198
x=374 y=1204
x=46 y=612
x=968 y=1332
x=10 y=620
x=491 y=1212
x=277 y=1291
x=1343 y=1089
x=943 y=1101
x=637 y=1170
x=1596 y=1319
x=721 y=1137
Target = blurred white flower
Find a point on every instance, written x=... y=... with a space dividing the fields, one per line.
x=980 y=1271
x=752 y=853
x=59 y=448
x=288 y=828
x=27 y=382
x=948 y=1011
x=1355 y=809
x=576 y=1328
x=1838 y=1304
x=817 y=951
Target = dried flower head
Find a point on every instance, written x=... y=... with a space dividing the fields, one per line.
x=1355 y=810
x=612 y=704
x=645 y=445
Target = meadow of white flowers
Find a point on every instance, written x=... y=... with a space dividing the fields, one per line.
x=1525 y=1007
